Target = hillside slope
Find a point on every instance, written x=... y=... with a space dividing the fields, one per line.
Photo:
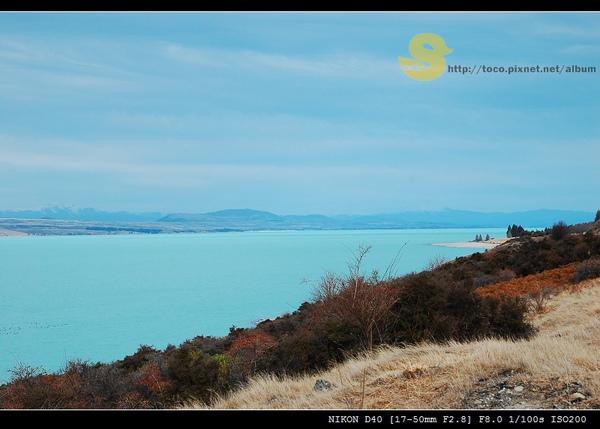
x=558 y=368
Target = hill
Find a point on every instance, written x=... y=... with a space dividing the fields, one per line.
x=246 y=219
x=559 y=368
x=79 y=214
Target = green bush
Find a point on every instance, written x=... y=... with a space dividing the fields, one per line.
x=195 y=374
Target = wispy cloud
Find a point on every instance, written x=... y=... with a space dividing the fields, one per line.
x=349 y=64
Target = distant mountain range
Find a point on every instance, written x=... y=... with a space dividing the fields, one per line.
x=255 y=219
x=252 y=220
x=87 y=214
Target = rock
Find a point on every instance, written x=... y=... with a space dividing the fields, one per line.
x=575 y=397
x=518 y=389
x=321 y=385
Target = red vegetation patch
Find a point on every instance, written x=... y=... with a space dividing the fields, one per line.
x=558 y=279
x=250 y=351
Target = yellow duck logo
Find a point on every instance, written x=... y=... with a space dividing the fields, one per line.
x=419 y=70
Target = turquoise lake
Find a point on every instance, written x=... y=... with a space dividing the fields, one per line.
x=98 y=298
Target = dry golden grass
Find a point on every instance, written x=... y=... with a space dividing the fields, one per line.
x=563 y=354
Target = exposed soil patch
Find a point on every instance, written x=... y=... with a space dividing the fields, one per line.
x=511 y=391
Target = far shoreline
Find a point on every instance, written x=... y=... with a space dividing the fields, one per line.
x=486 y=244
x=11 y=233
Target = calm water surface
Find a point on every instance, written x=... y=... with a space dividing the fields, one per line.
x=98 y=298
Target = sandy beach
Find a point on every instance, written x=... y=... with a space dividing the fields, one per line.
x=10 y=233
x=487 y=244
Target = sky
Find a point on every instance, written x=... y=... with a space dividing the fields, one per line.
x=298 y=113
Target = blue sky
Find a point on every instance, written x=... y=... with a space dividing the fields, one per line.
x=296 y=113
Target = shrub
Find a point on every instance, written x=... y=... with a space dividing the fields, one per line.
x=195 y=374
x=140 y=358
x=420 y=308
x=356 y=301
x=507 y=317
x=464 y=307
x=33 y=388
x=559 y=230
x=587 y=270
x=249 y=353
x=107 y=384
x=496 y=276
x=538 y=299
x=307 y=349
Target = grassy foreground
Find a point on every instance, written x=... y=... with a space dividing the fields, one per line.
x=559 y=367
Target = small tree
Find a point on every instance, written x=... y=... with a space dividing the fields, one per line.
x=356 y=299
x=559 y=230
x=249 y=353
x=537 y=299
x=153 y=381
x=436 y=262
x=514 y=231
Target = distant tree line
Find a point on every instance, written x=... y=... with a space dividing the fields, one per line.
x=514 y=231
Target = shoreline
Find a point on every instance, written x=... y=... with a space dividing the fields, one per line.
x=487 y=244
x=11 y=233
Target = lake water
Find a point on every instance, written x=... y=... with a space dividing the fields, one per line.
x=98 y=298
